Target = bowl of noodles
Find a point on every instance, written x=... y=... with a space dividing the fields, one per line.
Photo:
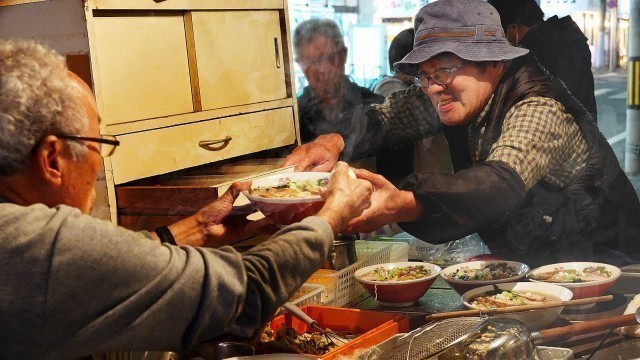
x=469 y=275
x=519 y=294
x=584 y=279
x=289 y=197
x=398 y=283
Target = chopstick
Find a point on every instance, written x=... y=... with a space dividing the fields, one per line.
x=512 y=309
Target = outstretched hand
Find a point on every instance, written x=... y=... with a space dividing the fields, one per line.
x=346 y=198
x=388 y=205
x=222 y=227
x=318 y=155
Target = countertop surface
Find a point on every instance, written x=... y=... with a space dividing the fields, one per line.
x=442 y=298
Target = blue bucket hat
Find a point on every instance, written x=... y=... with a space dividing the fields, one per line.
x=471 y=29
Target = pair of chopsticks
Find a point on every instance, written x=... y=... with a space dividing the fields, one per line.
x=514 y=309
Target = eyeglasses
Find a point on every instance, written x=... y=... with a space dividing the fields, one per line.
x=107 y=143
x=441 y=77
x=319 y=61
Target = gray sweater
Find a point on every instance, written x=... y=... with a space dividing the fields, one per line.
x=71 y=285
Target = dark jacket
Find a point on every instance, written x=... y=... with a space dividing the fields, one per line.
x=595 y=217
x=562 y=49
x=348 y=118
x=344 y=118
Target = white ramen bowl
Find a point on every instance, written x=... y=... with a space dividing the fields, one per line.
x=286 y=211
x=534 y=319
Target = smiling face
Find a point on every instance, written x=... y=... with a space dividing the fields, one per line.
x=467 y=94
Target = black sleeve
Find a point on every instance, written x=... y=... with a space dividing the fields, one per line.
x=456 y=205
x=372 y=139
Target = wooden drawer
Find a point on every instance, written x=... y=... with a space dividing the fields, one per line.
x=160 y=151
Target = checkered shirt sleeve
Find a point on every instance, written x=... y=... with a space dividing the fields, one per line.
x=540 y=140
x=407 y=116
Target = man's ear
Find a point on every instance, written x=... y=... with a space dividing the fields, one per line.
x=343 y=56
x=50 y=159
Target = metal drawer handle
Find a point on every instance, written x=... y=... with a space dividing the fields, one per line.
x=209 y=143
x=277 y=48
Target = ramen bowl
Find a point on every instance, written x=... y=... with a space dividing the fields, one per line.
x=397 y=292
x=470 y=275
x=568 y=276
x=534 y=319
x=288 y=197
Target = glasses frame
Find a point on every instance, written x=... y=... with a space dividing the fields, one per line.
x=418 y=79
x=101 y=140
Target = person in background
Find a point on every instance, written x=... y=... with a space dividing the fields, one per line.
x=400 y=46
x=331 y=103
x=542 y=185
x=430 y=154
x=73 y=285
x=558 y=43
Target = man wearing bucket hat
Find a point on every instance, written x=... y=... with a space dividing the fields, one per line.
x=543 y=184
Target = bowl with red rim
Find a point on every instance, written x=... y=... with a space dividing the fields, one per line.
x=288 y=197
x=584 y=279
x=399 y=283
x=473 y=274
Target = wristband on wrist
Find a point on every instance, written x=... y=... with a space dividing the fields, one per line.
x=165 y=235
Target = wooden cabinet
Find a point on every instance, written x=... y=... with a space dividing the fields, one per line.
x=141 y=67
x=256 y=75
x=181 y=83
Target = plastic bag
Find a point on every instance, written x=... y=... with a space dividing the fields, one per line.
x=453 y=252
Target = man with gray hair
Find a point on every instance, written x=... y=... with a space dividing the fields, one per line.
x=332 y=103
x=73 y=285
x=543 y=184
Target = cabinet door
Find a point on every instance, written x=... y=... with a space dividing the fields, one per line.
x=142 y=67
x=239 y=57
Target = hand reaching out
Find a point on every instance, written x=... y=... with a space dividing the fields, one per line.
x=346 y=198
x=221 y=227
x=318 y=155
x=388 y=205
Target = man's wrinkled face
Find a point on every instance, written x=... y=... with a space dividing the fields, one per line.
x=469 y=91
x=322 y=64
x=78 y=190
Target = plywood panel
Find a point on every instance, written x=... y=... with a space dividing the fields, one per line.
x=255 y=73
x=187 y=4
x=143 y=67
x=164 y=150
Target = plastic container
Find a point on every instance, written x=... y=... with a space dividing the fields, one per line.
x=341 y=286
x=399 y=249
x=373 y=327
x=308 y=294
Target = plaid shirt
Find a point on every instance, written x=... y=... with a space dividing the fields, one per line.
x=539 y=140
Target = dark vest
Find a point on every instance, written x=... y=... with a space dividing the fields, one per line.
x=599 y=206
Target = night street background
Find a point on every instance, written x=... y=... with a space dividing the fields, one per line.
x=611 y=97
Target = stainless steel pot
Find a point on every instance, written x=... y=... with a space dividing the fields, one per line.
x=218 y=351
x=343 y=254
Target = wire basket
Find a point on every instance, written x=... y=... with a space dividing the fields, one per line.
x=341 y=286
